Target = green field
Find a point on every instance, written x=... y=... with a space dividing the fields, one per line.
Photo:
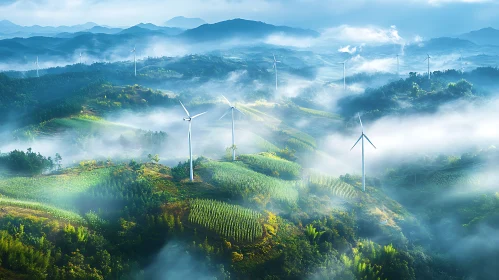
x=249 y=184
x=233 y=222
x=318 y=113
x=52 y=189
x=52 y=211
x=271 y=165
x=332 y=186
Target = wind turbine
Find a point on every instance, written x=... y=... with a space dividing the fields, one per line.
x=362 y=136
x=231 y=109
x=189 y=119
x=275 y=69
x=428 y=58
x=134 y=59
x=344 y=77
x=80 y=57
x=37 y=66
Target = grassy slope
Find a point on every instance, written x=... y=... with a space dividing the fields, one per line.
x=53 y=189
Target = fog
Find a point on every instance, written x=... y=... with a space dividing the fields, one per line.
x=455 y=128
x=175 y=262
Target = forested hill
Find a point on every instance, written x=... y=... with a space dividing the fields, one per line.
x=417 y=93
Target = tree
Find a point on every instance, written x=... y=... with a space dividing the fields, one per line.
x=58 y=160
x=154 y=158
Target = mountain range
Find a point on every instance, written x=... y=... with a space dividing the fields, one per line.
x=66 y=45
x=184 y=23
x=102 y=42
x=484 y=36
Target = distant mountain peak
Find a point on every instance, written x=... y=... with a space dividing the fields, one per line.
x=242 y=28
x=184 y=22
x=6 y=23
x=484 y=36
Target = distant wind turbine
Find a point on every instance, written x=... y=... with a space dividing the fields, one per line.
x=344 y=74
x=231 y=109
x=428 y=58
x=189 y=119
x=135 y=60
x=362 y=136
x=80 y=57
x=275 y=69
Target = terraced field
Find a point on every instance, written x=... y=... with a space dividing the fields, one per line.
x=233 y=222
x=248 y=183
x=332 y=186
x=54 y=212
x=318 y=113
x=52 y=189
x=272 y=166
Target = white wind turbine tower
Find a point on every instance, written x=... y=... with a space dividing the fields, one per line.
x=275 y=69
x=362 y=136
x=80 y=57
x=344 y=74
x=428 y=58
x=231 y=109
x=134 y=59
x=189 y=119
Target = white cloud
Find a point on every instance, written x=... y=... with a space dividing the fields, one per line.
x=365 y=34
x=348 y=49
x=361 y=64
x=454 y=129
x=282 y=40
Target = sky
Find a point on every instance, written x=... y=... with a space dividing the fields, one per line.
x=427 y=18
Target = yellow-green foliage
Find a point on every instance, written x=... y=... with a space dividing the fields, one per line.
x=271 y=164
x=229 y=221
x=372 y=261
x=22 y=257
x=52 y=211
x=53 y=189
x=249 y=183
x=332 y=186
x=299 y=145
x=236 y=257
x=320 y=113
x=297 y=134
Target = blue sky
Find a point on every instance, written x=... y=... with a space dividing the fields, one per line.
x=427 y=18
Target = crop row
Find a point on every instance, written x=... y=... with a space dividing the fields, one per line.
x=230 y=221
x=333 y=186
x=51 y=188
x=272 y=166
x=246 y=183
x=52 y=211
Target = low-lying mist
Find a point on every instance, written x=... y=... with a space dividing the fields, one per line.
x=455 y=128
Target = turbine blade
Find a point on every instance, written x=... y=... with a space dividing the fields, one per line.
x=195 y=116
x=225 y=113
x=240 y=111
x=361 y=123
x=356 y=142
x=187 y=112
x=370 y=141
x=227 y=100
